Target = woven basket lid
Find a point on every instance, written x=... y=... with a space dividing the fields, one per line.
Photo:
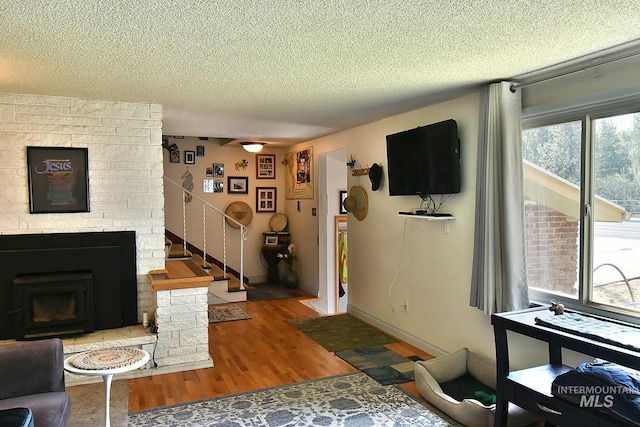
x=278 y=222
x=241 y=212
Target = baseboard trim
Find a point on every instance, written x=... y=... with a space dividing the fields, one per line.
x=398 y=333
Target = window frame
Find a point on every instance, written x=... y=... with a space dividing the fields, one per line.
x=586 y=115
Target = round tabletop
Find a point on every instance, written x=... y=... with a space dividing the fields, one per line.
x=107 y=361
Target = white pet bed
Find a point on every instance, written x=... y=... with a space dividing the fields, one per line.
x=470 y=412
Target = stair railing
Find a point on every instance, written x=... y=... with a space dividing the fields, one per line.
x=188 y=196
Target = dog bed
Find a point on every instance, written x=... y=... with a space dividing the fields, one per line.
x=462 y=374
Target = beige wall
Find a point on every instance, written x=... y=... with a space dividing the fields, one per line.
x=433 y=267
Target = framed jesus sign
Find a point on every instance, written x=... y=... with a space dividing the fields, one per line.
x=58 y=179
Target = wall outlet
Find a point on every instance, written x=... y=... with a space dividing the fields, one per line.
x=405 y=305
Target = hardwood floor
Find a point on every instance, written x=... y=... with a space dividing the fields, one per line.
x=264 y=351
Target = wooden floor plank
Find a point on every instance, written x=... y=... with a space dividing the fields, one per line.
x=261 y=352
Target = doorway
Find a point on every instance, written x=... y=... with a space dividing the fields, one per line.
x=332 y=178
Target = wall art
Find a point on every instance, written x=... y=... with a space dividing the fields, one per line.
x=299 y=176
x=238 y=185
x=265 y=166
x=58 y=179
x=190 y=157
x=266 y=199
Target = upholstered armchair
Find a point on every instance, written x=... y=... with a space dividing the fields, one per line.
x=32 y=376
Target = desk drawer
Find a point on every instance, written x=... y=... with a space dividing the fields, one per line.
x=558 y=411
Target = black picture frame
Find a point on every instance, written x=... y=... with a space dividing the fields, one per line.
x=58 y=179
x=174 y=156
x=238 y=185
x=266 y=199
x=343 y=195
x=190 y=157
x=218 y=170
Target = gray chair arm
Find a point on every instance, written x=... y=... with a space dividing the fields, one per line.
x=31 y=367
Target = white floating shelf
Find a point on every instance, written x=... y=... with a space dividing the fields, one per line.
x=432 y=218
x=429 y=218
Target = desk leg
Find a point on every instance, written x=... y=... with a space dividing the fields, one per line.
x=107 y=398
x=502 y=371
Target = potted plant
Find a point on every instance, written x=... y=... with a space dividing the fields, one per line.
x=290 y=278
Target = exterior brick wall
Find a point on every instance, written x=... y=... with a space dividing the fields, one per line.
x=552 y=249
x=126 y=188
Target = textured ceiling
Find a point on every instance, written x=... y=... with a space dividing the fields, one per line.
x=290 y=70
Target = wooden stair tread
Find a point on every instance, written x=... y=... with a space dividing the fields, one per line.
x=214 y=270
x=234 y=284
x=177 y=251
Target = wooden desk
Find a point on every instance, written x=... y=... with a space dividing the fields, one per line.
x=531 y=388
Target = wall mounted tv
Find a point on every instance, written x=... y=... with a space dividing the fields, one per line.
x=425 y=160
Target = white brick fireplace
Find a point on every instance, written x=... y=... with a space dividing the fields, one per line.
x=126 y=193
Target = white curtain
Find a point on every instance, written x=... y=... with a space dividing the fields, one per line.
x=499 y=280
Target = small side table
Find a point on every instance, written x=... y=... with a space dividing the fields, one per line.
x=106 y=363
x=270 y=253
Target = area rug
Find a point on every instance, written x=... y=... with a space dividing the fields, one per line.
x=342 y=332
x=382 y=364
x=268 y=292
x=345 y=400
x=226 y=313
x=87 y=404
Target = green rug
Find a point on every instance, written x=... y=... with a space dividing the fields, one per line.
x=353 y=400
x=342 y=332
x=383 y=365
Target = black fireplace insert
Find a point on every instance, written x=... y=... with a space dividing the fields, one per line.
x=53 y=305
x=110 y=259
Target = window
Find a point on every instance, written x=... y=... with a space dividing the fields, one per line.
x=582 y=210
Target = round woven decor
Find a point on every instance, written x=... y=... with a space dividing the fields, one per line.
x=106 y=359
x=278 y=222
x=241 y=212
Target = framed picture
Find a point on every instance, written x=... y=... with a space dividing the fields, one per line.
x=190 y=157
x=218 y=186
x=238 y=185
x=271 y=240
x=299 y=177
x=266 y=199
x=343 y=195
x=207 y=186
x=174 y=156
x=218 y=170
x=58 y=179
x=200 y=150
x=265 y=166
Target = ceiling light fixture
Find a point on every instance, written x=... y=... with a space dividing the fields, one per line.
x=252 y=147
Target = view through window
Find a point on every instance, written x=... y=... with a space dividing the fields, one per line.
x=555 y=203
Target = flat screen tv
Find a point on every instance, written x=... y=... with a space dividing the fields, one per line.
x=425 y=160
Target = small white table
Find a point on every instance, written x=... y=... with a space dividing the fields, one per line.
x=106 y=363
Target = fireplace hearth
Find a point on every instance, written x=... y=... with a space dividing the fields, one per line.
x=108 y=257
x=53 y=305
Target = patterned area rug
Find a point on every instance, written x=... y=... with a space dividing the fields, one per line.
x=383 y=365
x=226 y=313
x=346 y=400
x=266 y=292
x=342 y=332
